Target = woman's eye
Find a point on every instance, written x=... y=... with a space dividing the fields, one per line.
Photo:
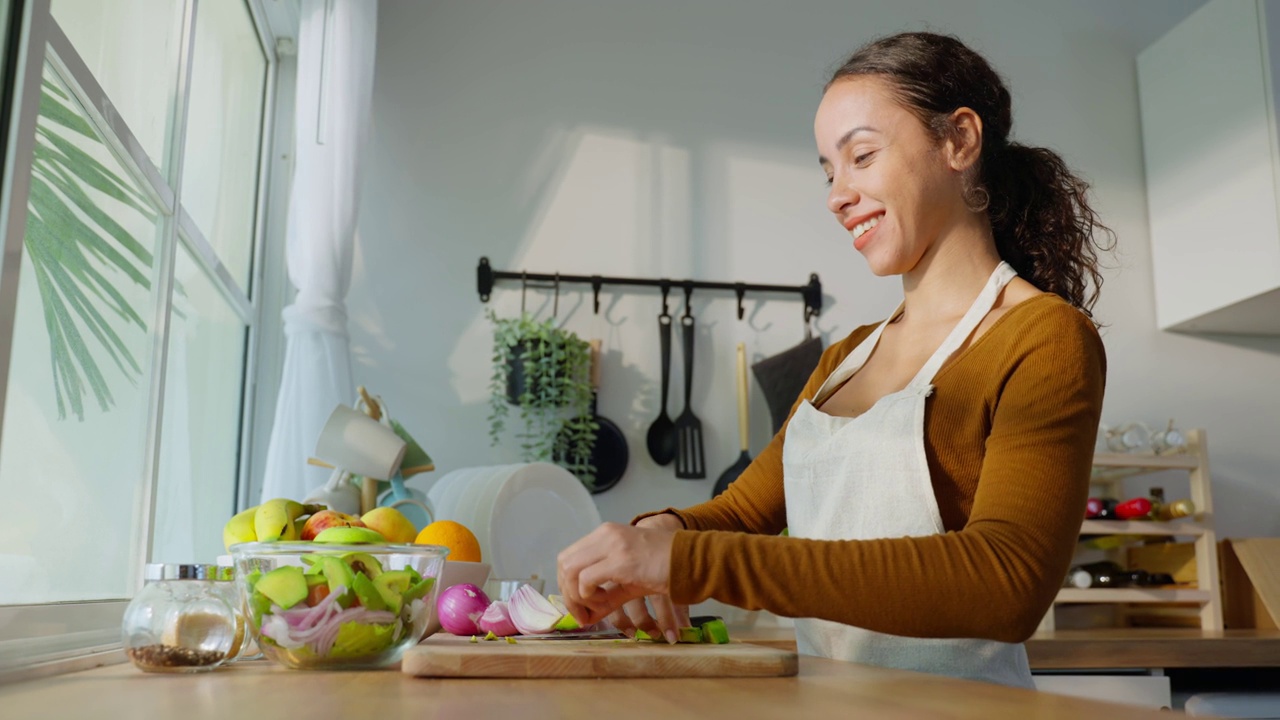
x=830 y=180
x=862 y=159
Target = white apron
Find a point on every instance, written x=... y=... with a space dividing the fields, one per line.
x=866 y=478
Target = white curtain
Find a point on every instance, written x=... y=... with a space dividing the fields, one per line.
x=336 y=44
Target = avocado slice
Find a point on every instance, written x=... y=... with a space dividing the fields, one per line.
x=715 y=632
x=363 y=563
x=252 y=578
x=367 y=593
x=690 y=635
x=340 y=577
x=418 y=589
x=392 y=585
x=284 y=586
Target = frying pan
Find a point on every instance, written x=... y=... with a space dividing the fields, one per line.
x=610 y=453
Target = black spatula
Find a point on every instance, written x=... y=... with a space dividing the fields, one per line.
x=689 y=457
x=733 y=471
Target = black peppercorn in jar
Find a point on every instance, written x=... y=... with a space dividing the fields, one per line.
x=180 y=621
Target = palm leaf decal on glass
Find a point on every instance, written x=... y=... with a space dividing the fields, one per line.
x=80 y=255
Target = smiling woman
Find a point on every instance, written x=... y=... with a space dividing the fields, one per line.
x=933 y=473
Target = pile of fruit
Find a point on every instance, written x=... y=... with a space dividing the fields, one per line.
x=283 y=519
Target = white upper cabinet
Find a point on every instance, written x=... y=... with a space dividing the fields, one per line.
x=1208 y=93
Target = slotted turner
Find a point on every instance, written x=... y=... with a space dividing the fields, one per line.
x=690 y=464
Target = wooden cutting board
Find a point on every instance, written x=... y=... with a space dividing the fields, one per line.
x=449 y=656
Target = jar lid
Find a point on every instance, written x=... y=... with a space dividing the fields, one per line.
x=179 y=571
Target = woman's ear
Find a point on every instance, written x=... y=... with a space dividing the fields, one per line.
x=964 y=141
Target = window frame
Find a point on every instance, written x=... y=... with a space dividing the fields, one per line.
x=69 y=631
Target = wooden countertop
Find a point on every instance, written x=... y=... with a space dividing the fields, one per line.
x=824 y=688
x=1154 y=648
x=1118 y=648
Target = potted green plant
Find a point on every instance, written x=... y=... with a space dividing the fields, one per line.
x=543 y=370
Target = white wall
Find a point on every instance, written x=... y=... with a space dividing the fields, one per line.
x=674 y=139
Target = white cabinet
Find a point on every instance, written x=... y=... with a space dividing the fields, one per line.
x=1208 y=92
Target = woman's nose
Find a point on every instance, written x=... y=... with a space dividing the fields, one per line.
x=841 y=196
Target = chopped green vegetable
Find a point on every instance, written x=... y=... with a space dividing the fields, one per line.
x=490 y=636
x=511 y=640
x=473 y=638
x=690 y=635
x=715 y=632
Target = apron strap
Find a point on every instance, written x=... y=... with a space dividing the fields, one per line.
x=977 y=311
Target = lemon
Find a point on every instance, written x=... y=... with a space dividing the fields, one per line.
x=462 y=543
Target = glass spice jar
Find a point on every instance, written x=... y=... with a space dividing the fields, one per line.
x=180 y=621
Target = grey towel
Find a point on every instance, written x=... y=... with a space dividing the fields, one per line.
x=782 y=377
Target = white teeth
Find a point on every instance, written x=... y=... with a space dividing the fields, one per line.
x=862 y=227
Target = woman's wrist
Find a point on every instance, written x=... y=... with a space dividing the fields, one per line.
x=664 y=520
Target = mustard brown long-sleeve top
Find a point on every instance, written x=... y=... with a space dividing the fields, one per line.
x=1009 y=436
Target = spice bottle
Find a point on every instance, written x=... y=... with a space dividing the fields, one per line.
x=180 y=621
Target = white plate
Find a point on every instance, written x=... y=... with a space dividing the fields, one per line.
x=539 y=511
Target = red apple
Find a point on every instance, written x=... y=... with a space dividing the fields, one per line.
x=326 y=519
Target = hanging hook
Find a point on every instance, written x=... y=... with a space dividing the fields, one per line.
x=741 y=290
x=596 y=282
x=688 y=299
x=666 y=288
x=524 y=287
x=555 y=304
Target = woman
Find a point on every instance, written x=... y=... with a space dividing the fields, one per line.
x=934 y=472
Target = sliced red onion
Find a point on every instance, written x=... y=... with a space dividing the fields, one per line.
x=532 y=613
x=460 y=608
x=497 y=620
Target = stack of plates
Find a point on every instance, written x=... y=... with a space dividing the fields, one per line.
x=523 y=515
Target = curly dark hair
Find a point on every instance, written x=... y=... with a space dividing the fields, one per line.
x=1039 y=210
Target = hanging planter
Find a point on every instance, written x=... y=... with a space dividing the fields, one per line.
x=542 y=370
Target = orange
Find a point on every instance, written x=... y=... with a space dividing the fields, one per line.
x=462 y=543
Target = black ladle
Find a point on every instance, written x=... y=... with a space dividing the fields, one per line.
x=661 y=439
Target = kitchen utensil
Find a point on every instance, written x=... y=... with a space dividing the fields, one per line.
x=352 y=440
x=299 y=638
x=411 y=503
x=661 y=440
x=609 y=453
x=447 y=656
x=782 y=377
x=337 y=494
x=690 y=463
x=739 y=465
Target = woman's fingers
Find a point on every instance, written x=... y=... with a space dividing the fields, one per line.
x=611 y=566
x=667 y=618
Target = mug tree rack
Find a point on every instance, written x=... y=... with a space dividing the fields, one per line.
x=487 y=277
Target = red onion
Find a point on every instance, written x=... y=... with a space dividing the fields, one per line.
x=497 y=620
x=532 y=613
x=460 y=608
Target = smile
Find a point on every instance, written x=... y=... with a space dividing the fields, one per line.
x=862 y=227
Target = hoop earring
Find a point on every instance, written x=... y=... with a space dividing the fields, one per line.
x=976 y=198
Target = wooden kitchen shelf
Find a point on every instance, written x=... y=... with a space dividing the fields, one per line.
x=1204 y=601
x=1199 y=526
x=1132 y=595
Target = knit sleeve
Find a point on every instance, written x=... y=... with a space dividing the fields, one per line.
x=997 y=576
x=754 y=502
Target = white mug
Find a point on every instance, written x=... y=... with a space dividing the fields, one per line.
x=356 y=442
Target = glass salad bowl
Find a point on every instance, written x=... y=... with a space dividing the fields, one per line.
x=325 y=606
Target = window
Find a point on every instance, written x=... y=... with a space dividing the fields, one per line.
x=133 y=305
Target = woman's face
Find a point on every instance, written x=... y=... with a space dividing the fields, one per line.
x=893 y=186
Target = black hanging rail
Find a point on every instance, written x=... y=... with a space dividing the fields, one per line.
x=486 y=277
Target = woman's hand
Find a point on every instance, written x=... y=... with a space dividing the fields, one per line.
x=609 y=572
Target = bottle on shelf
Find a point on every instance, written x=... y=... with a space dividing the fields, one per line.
x=1133 y=508
x=1100 y=509
x=1108 y=574
x=1162 y=510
